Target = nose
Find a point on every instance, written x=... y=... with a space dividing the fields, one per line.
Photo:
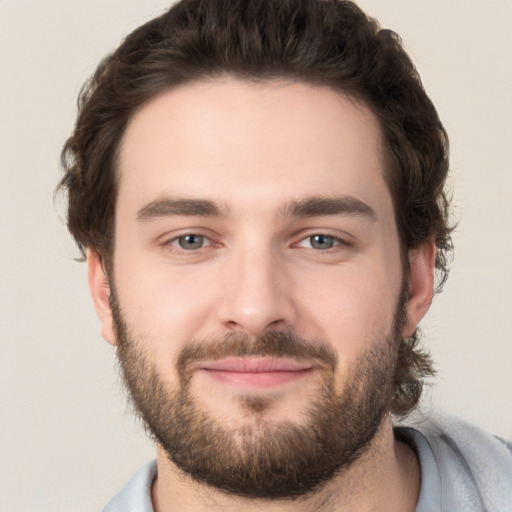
x=258 y=295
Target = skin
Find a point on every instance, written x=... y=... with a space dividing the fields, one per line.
x=253 y=150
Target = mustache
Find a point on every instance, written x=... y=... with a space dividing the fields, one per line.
x=272 y=344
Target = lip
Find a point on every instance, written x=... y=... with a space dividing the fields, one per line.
x=255 y=365
x=255 y=372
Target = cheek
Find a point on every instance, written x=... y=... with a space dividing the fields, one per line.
x=166 y=309
x=352 y=310
x=354 y=318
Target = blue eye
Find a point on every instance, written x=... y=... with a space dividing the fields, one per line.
x=322 y=242
x=190 y=242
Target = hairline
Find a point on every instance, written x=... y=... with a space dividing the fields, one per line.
x=283 y=79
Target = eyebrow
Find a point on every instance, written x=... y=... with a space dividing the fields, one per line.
x=308 y=207
x=185 y=207
x=320 y=206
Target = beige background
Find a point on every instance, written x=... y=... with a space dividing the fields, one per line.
x=68 y=441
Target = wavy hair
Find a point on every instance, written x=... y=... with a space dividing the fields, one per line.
x=323 y=42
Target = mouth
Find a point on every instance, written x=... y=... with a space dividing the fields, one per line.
x=255 y=372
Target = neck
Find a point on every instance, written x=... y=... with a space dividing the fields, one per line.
x=385 y=478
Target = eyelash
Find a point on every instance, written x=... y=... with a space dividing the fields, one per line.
x=336 y=241
x=172 y=246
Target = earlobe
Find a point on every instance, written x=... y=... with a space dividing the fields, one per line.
x=421 y=285
x=100 y=291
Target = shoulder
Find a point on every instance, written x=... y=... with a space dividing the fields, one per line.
x=449 y=435
x=136 y=494
x=474 y=465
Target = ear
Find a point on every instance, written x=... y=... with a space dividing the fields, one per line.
x=100 y=291
x=421 y=285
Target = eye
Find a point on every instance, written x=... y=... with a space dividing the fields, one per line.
x=320 y=242
x=190 y=242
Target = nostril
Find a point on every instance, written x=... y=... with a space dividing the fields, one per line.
x=256 y=298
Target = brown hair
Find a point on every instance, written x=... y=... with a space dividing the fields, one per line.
x=324 y=42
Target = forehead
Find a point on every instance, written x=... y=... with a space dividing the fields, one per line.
x=229 y=139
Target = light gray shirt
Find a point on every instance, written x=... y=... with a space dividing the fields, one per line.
x=463 y=469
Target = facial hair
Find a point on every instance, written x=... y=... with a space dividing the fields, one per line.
x=262 y=459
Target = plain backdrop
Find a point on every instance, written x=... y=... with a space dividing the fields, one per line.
x=68 y=439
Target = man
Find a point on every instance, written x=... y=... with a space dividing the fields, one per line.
x=258 y=188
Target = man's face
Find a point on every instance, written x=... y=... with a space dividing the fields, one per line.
x=246 y=210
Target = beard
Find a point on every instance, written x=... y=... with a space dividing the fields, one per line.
x=261 y=458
